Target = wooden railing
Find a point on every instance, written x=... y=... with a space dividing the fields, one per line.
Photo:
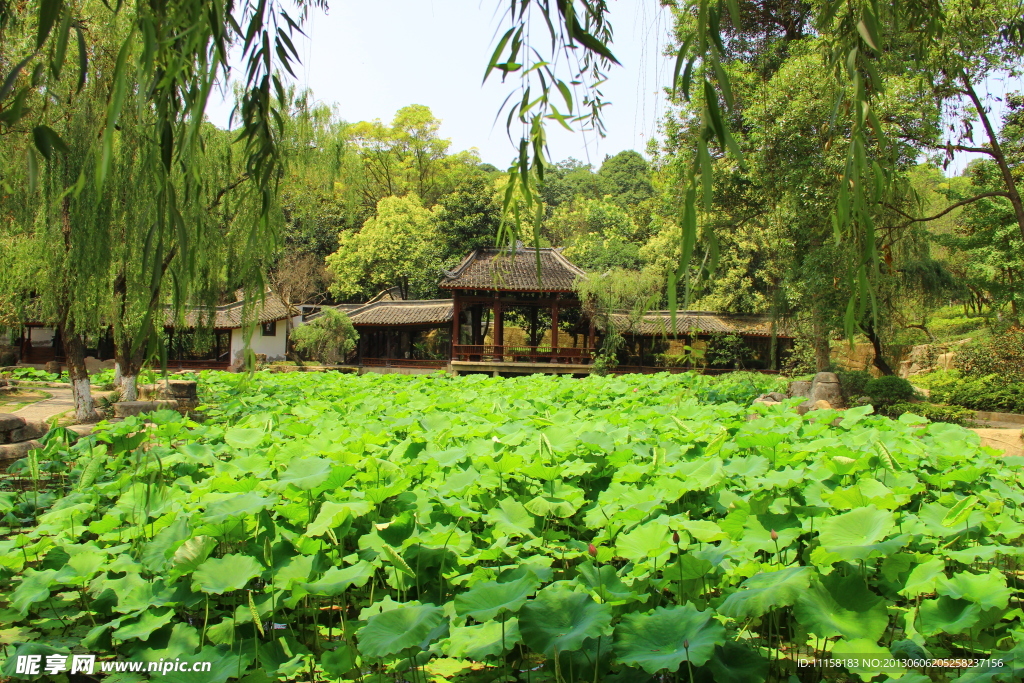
x=405 y=362
x=651 y=369
x=521 y=354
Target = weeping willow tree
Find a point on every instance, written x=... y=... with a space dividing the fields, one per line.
x=951 y=46
x=118 y=225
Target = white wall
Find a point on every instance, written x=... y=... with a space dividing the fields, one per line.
x=274 y=346
x=41 y=336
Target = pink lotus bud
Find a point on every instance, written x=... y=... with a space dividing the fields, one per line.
x=675 y=537
x=592 y=549
x=775 y=535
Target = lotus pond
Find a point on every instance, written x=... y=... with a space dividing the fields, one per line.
x=389 y=528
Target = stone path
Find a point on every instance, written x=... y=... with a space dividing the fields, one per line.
x=60 y=401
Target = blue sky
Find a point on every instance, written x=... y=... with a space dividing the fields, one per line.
x=372 y=58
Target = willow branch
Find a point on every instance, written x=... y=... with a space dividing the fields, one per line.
x=962 y=202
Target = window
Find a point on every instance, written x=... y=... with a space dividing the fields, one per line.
x=269 y=329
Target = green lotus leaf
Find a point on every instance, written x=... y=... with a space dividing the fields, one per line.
x=486 y=600
x=821 y=614
x=336 y=581
x=333 y=513
x=40 y=650
x=559 y=619
x=558 y=500
x=947 y=615
x=923 y=577
x=987 y=590
x=485 y=640
x=396 y=630
x=766 y=591
x=858 y=534
x=340 y=661
x=866 y=650
x=306 y=473
x=142 y=627
x=737 y=663
x=236 y=505
x=666 y=637
x=228 y=573
x=511 y=519
x=34 y=587
x=645 y=542
x=605 y=584
x=242 y=437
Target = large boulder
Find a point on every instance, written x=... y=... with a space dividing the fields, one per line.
x=52 y=367
x=826 y=387
x=801 y=389
x=128 y=408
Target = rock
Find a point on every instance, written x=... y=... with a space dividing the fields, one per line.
x=14 y=451
x=826 y=387
x=810 y=404
x=127 y=408
x=776 y=396
x=31 y=429
x=9 y=424
x=8 y=355
x=53 y=367
x=92 y=365
x=799 y=389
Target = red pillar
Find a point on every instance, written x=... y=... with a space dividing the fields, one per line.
x=456 y=322
x=554 y=325
x=498 y=335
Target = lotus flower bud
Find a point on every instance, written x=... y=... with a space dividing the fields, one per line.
x=675 y=537
x=775 y=535
x=592 y=549
x=686 y=644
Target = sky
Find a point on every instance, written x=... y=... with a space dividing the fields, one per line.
x=372 y=58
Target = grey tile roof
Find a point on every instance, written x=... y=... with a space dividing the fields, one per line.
x=656 y=323
x=504 y=271
x=412 y=312
x=230 y=316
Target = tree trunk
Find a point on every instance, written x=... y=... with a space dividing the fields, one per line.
x=876 y=344
x=822 y=347
x=998 y=155
x=74 y=356
x=129 y=367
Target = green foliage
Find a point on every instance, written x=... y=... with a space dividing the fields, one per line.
x=953 y=414
x=453 y=518
x=1001 y=354
x=987 y=392
x=398 y=247
x=889 y=389
x=853 y=382
x=742 y=387
x=329 y=338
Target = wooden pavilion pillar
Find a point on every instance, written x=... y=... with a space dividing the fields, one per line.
x=554 y=324
x=498 y=336
x=456 y=323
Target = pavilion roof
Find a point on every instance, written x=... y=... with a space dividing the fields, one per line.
x=514 y=271
x=230 y=316
x=656 y=323
x=398 y=312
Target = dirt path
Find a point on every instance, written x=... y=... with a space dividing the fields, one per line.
x=1009 y=441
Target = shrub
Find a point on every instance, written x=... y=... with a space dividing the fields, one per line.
x=935 y=413
x=990 y=392
x=888 y=390
x=1002 y=354
x=743 y=387
x=328 y=338
x=853 y=382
